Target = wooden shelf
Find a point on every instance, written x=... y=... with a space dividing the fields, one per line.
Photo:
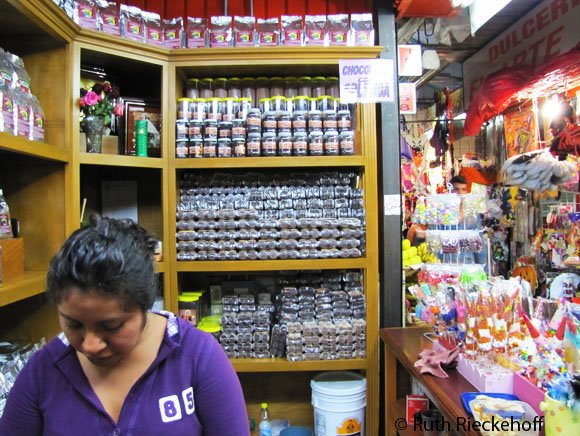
x=161 y=267
x=400 y=411
x=271 y=162
x=26 y=285
x=117 y=160
x=271 y=265
x=283 y=365
x=20 y=145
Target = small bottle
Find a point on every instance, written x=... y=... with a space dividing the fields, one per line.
x=5 y=226
x=265 y=425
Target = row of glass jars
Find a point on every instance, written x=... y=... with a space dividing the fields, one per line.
x=270 y=122
x=330 y=143
x=262 y=87
x=228 y=109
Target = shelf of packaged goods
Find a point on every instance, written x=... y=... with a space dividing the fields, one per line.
x=271 y=265
x=18 y=288
x=282 y=365
x=271 y=162
x=21 y=145
x=117 y=160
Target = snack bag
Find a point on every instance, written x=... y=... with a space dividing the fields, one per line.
x=244 y=30
x=315 y=30
x=220 y=32
x=86 y=14
x=152 y=28
x=292 y=30
x=268 y=32
x=108 y=17
x=196 y=35
x=131 y=23
x=337 y=29
x=173 y=32
x=362 y=31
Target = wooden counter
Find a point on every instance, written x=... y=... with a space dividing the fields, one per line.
x=403 y=345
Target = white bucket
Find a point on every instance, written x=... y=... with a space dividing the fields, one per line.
x=339 y=400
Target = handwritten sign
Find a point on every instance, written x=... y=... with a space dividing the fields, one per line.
x=407 y=98
x=367 y=80
x=409 y=60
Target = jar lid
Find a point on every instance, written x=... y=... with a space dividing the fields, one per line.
x=276 y=78
x=210 y=121
x=195 y=140
x=214 y=99
x=315 y=112
x=209 y=139
x=347 y=133
x=244 y=99
x=319 y=78
x=225 y=124
x=263 y=79
x=193 y=80
x=188 y=298
x=300 y=133
x=207 y=79
x=344 y=112
x=269 y=135
x=331 y=133
x=301 y=97
x=254 y=135
x=254 y=111
x=248 y=79
x=238 y=121
x=290 y=78
x=284 y=113
x=285 y=134
x=332 y=79
x=224 y=140
x=325 y=97
x=299 y=113
x=270 y=113
x=305 y=78
x=277 y=97
x=199 y=100
x=234 y=79
x=221 y=79
x=264 y=99
x=316 y=133
x=184 y=99
x=329 y=112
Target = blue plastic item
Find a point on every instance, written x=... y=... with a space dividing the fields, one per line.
x=466 y=398
x=296 y=431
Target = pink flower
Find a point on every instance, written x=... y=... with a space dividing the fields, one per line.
x=91 y=98
x=119 y=109
x=82 y=102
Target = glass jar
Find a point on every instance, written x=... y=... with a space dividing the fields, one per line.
x=269 y=144
x=330 y=143
x=285 y=144
x=284 y=121
x=254 y=120
x=244 y=106
x=249 y=90
x=299 y=121
x=265 y=105
x=198 y=109
x=234 y=87
x=219 y=87
x=238 y=128
x=301 y=103
x=276 y=86
x=332 y=86
x=269 y=122
x=195 y=129
x=224 y=129
x=184 y=108
x=181 y=148
x=214 y=108
x=224 y=147
x=206 y=88
x=253 y=144
x=315 y=121
x=239 y=146
x=305 y=86
x=318 y=86
x=278 y=103
x=262 y=89
x=181 y=130
x=325 y=103
x=329 y=120
x=192 y=88
x=343 y=120
x=196 y=148
x=300 y=144
x=230 y=107
x=210 y=128
x=209 y=147
x=290 y=87
x=346 y=143
x=315 y=144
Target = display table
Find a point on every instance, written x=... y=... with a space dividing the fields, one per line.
x=403 y=345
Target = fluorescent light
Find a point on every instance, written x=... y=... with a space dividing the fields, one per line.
x=481 y=11
x=552 y=108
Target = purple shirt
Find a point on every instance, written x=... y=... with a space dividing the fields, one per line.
x=190 y=389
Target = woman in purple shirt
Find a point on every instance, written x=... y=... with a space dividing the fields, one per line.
x=117 y=368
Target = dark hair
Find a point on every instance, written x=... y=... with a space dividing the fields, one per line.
x=109 y=256
x=458 y=179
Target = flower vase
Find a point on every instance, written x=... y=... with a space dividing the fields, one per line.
x=93 y=126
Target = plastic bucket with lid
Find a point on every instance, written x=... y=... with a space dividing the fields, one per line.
x=339 y=400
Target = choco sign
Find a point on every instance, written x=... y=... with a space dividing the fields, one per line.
x=548 y=30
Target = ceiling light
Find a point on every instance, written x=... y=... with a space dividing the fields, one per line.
x=552 y=108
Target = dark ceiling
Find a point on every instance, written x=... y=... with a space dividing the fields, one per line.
x=449 y=73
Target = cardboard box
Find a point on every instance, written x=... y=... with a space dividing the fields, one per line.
x=110 y=144
x=11 y=258
x=527 y=392
x=415 y=403
x=486 y=376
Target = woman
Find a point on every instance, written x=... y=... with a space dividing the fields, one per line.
x=117 y=368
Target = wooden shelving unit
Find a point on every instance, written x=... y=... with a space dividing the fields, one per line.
x=72 y=174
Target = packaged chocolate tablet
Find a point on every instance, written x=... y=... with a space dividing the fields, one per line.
x=362 y=31
x=152 y=28
x=131 y=23
x=244 y=31
x=315 y=30
x=268 y=32
x=173 y=33
x=196 y=32
x=108 y=17
x=220 y=31
x=337 y=29
x=292 y=30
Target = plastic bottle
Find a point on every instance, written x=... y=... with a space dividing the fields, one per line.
x=265 y=425
x=5 y=227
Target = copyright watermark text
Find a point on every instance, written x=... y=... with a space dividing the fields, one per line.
x=468 y=424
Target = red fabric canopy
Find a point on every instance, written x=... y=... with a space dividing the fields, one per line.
x=502 y=88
